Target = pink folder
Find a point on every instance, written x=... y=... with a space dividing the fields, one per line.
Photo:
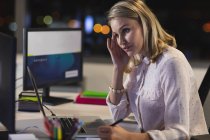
x=80 y=99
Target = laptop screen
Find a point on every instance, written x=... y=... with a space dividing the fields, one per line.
x=36 y=90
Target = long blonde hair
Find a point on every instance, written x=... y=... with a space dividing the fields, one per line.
x=156 y=39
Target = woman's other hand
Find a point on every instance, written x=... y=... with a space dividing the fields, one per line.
x=112 y=133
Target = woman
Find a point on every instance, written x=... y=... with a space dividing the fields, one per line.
x=160 y=87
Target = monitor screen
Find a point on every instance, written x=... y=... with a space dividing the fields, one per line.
x=54 y=57
x=7 y=81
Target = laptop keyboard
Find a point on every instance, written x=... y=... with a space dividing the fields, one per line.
x=69 y=125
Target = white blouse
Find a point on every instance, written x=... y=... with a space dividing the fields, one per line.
x=163 y=97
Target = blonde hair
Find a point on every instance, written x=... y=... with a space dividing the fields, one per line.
x=156 y=39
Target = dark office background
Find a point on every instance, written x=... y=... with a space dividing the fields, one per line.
x=187 y=20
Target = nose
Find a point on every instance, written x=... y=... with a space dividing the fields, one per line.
x=122 y=40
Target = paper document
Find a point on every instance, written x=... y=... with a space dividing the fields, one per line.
x=22 y=137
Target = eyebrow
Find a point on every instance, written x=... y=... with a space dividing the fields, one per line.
x=122 y=27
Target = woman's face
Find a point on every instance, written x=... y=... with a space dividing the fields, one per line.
x=128 y=33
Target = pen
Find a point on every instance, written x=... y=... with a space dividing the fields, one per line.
x=115 y=123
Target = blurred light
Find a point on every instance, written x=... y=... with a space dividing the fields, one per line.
x=88 y=24
x=1 y=21
x=105 y=29
x=206 y=27
x=13 y=26
x=48 y=20
x=39 y=20
x=97 y=28
x=56 y=15
x=73 y=23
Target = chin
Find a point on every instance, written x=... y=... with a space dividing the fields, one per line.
x=130 y=54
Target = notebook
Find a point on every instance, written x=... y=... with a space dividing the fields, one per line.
x=91 y=123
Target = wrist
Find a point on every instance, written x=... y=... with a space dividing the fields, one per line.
x=117 y=91
x=119 y=69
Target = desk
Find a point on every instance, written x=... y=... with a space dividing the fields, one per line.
x=27 y=119
x=32 y=121
x=67 y=109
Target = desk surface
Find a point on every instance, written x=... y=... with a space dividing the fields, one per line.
x=32 y=121
x=68 y=109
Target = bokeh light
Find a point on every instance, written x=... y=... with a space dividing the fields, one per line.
x=73 y=23
x=13 y=26
x=206 y=27
x=1 y=21
x=105 y=29
x=48 y=20
x=97 y=28
x=88 y=24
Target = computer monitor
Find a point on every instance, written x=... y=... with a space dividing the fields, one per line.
x=54 y=56
x=7 y=81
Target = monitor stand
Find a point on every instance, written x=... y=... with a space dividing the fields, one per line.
x=49 y=100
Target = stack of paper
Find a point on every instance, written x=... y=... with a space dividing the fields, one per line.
x=92 y=97
x=22 y=137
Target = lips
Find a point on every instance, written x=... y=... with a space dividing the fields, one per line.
x=127 y=48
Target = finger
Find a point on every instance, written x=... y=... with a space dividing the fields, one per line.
x=105 y=137
x=108 y=43
x=109 y=46
x=114 y=39
x=104 y=132
x=113 y=35
x=104 y=129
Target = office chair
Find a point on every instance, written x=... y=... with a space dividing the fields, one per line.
x=204 y=88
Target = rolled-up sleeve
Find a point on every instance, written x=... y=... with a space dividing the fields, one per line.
x=120 y=110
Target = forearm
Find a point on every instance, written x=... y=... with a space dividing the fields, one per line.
x=117 y=83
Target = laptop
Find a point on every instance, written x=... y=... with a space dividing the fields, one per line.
x=89 y=127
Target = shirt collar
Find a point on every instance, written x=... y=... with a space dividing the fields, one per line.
x=146 y=60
